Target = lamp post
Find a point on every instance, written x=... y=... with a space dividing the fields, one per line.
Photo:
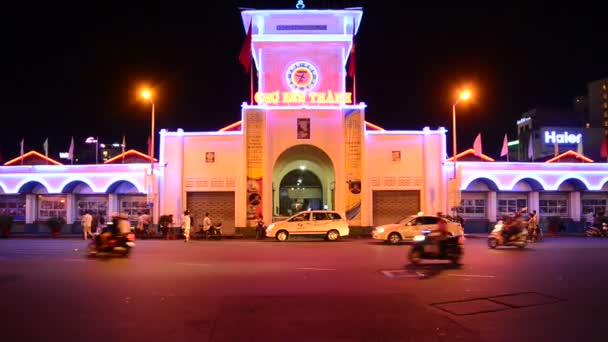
x=463 y=96
x=147 y=95
x=93 y=140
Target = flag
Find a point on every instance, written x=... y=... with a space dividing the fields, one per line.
x=351 y=65
x=245 y=55
x=579 y=147
x=555 y=150
x=22 y=141
x=530 y=149
x=505 y=147
x=124 y=143
x=71 y=151
x=45 y=145
x=604 y=150
x=477 y=145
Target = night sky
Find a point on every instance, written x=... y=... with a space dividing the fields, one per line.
x=74 y=70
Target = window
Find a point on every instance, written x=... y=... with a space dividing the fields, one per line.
x=473 y=208
x=300 y=217
x=428 y=220
x=131 y=205
x=96 y=205
x=594 y=205
x=334 y=216
x=51 y=206
x=319 y=216
x=13 y=206
x=553 y=208
x=509 y=206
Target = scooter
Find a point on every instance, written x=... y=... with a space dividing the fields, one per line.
x=496 y=237
x=596 y=232
x=117 y=245
x=431 y=247
x=214 y=232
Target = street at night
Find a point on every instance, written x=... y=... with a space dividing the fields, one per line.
x=302 y=290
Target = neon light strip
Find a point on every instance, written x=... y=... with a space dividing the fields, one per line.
x=229 y=133
x=572 y=154
x=231 y=126
x=468 y=152
x=373 y=127
x=32 y=153
x=402 y=132
x=360 y=105
x=128 y=153
x=270 y=38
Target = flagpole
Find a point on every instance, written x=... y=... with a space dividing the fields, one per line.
x=251 y=79
x=355 y=87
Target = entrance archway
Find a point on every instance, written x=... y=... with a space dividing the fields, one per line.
x=303 y=178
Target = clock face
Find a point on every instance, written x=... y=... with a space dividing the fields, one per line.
x=301 y=76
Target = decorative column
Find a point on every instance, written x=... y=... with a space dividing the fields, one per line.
x=70 y=208
x=31 y=208
x=533 y=198
x=574 y=204
x=491 y=206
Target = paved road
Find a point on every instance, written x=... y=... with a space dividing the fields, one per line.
x=352 y=290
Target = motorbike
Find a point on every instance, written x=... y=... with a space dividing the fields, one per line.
x=496 y=237
x=597 y=232
x=116 y=245
x=432 y=247
x=214 y=232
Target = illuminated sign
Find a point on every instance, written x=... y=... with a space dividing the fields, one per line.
x=296 y=97
x=551 y=137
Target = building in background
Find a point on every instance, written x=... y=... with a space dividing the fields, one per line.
x=597 y=103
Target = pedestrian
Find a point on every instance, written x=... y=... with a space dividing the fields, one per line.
x=260 y=229
x=87 y=222
x=139 y=228
x=206 y=224
x=186 y=223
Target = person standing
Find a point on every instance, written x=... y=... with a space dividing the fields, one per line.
x=87 y=222
x=533 y=226
x=186 y=223
x=206 y=223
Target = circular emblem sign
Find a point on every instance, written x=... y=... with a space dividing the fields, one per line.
x=301 y=76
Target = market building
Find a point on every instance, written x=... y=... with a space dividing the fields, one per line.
x=303 y=143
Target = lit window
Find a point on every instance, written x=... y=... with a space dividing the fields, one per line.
x=509 y=206
x=605 y=105
x=553 y=208
x=473 y=207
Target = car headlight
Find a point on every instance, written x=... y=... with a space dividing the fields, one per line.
x=270 y=227
x=419 y=238
x=380 y=230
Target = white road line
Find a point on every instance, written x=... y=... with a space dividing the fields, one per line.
x=471 y=275
x=315 y=269
x=391 y=274
x=79 y=260
x=191 y=264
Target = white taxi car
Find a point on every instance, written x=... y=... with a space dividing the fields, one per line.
x=413 y=225
x=328 y=224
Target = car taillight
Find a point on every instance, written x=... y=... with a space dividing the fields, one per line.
x=131 y=236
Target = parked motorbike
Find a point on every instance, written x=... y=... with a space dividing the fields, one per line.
x=214 y=232
x=116 y=245
x=597 y=232
x=496 y=237
x=432 y=247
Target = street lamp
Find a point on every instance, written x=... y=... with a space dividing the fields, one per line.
x=463 y=96
x=146 y=94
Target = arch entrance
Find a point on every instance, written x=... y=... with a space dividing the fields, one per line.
x=303 y=178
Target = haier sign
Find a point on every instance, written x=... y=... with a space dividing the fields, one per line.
x=553 y=137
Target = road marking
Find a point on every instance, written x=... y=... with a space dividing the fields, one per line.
x=315 y=269
x=471 y=275
x=400 y=274
x=80 y=260
x=191 y=264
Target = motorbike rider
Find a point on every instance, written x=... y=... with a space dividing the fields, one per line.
x=513 y=226
x=120 y=226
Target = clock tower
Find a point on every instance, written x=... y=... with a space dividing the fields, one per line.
x=303 y=124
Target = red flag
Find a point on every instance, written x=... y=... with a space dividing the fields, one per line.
x=351 y=65
x=505 y=147
x=604 y=150
x=477 y=145
x=245 y=55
